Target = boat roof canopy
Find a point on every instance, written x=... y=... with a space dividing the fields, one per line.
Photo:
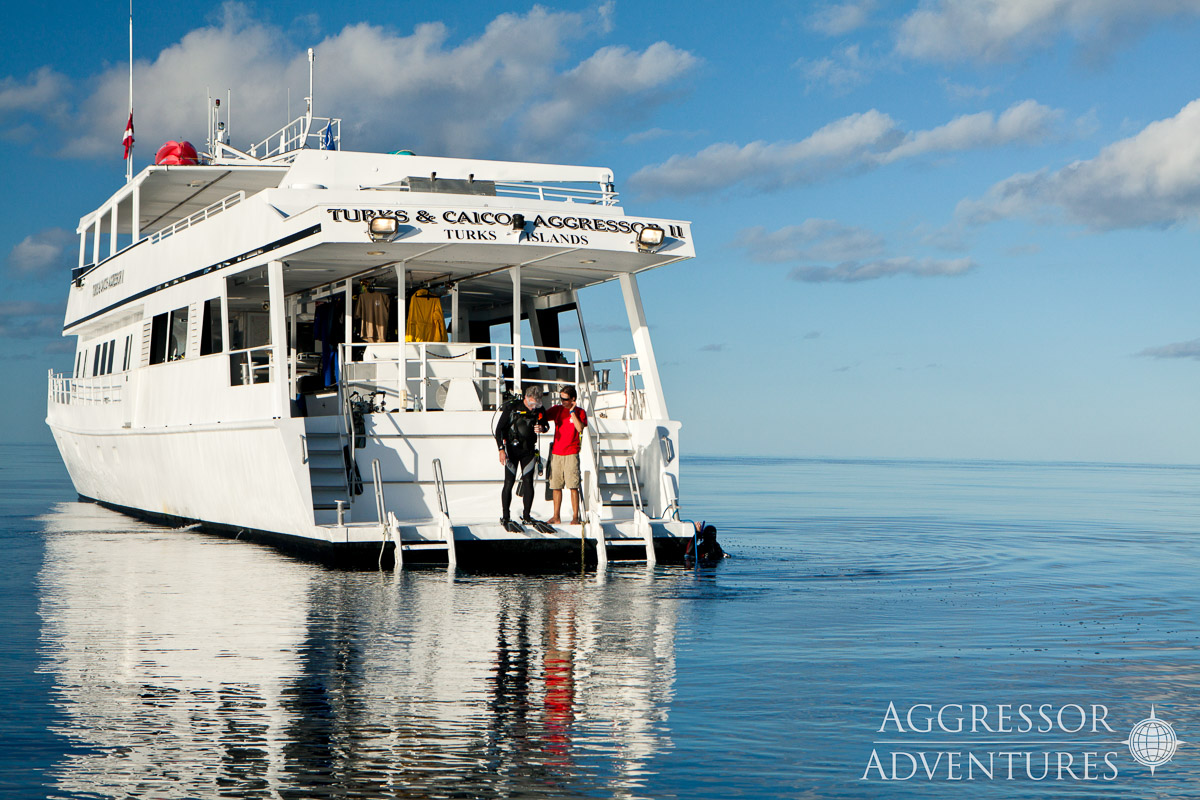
x=167 y=194
x=474 y=267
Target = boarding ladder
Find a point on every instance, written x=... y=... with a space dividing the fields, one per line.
x=612 y=489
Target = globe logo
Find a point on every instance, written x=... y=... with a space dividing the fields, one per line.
x=1152 y=742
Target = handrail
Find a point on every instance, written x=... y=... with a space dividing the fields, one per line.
x=203 y=214
x=440 y=482
x=65 y=390
x=444 y=507
x=671 y=509
x=423 y=368
x=563 y=194
x=245 y=359
x=295 y=135
x=545 y=192
x=377 y=479
x=347 y=427
x=635 y=491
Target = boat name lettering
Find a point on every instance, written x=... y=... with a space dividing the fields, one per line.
x=558 y=238
x=502 y=219
x=366 y=214
x=477 y=236
x=116 y=279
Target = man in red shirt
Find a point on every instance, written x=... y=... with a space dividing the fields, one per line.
x=569 y=422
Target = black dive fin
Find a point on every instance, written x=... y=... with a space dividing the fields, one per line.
x=512 y=526
x=541 y=527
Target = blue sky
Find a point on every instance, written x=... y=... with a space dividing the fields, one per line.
x=929 y=229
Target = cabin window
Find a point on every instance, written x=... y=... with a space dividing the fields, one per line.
x=210 y=328
x=96 y=362
x=178 y=328
x=112 y=352
x=78 y=363
x=158 y=339
x=248 y=306
x=128 y=352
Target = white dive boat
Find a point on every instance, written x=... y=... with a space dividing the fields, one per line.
x=241 y=357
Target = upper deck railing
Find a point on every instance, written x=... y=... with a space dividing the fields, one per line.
x=297 y=134
x=199 y=216
x=561 y=193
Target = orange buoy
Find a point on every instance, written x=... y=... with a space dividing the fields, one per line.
x=173 y=154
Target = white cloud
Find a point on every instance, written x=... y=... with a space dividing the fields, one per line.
x=1151 y=179
x=601 y=85
x=841 y=71
x=997 y=30
x=838 y=19
x=1175 y=350
x=857 y=142
x=811 y=240
x=854 y=271
x=1027 y=122
x=41 y=253
x=39 y=92
x=513 y=90
x=857 y=252
x=27 y=319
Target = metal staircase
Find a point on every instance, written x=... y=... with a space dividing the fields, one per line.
x=612 y=454
x=327 y=472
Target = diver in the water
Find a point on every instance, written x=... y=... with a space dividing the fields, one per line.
x=521 y=420
x=704 y=545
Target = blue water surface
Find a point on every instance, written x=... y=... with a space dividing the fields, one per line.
x=141 y=661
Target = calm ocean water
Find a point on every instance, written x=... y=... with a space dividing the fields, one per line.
x=140 y=661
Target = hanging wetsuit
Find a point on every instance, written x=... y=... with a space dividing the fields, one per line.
x=516 y=435
x=328 y=329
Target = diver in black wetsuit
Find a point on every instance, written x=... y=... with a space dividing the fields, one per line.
x=521 y=420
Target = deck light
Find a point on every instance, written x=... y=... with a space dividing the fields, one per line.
x=383 y=229
x=650 y=238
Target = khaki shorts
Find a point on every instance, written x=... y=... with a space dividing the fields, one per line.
x=564 y=472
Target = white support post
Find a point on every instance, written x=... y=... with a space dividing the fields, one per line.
x=455 y=333
x=293 y=351
x=349 y=331
x=135 y=218
x=82 y=247
x=112 y=238
x=401 y=326
x=226 y=339
x=95 y=226
x=587 y=349
x=655 y=400
x=278 y=322
x=516 y=329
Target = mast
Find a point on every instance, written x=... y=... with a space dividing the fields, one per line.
x=129 y=127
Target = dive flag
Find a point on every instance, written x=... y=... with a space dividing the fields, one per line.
x=327 y=142
x=129 y=136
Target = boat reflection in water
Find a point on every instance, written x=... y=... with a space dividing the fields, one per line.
x=193 y=666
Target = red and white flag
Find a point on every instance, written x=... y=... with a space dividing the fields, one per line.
x=129 y=136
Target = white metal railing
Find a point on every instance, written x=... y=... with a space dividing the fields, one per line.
x=296 y=135
x=65 y=390
x=251 y=366
x=563 y=194
x=437 y=365
x=535 y=191
x=635 y=489
x=630 y=399
x=201 y=215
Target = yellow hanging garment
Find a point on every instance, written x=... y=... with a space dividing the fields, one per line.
x=425 y=320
